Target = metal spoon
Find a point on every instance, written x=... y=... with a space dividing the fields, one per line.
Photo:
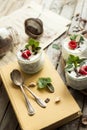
x=37 y=99
x=17 y=80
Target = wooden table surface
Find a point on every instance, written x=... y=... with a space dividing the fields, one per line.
x=76 y=11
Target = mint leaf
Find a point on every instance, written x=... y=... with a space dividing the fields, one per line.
x=82 y=63
x=74 y=60
x=45 y=83
x=55 y=46
x=68 y=67
x=42 y=82
x=34 y=44
x=81 y=39
x=27 y=46
x=73 y=37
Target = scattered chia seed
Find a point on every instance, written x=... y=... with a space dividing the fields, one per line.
x=47 y=100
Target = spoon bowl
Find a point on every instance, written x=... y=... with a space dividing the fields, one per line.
x=16 y=77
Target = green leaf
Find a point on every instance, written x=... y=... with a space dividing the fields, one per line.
x=55 y=46
x=74 y=60
x=42 y=82
x=34 y=44
x=81 y=39
x=27 y=46
x=69 y=67
x=82 y=63
x=73 y=37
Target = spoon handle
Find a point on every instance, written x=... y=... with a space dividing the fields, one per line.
x=31 y=111
x=37 y=99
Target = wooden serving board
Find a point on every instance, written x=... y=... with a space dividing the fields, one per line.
x=55 y=114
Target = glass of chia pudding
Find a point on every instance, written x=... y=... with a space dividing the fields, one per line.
x=31 y=57
x=75 y=45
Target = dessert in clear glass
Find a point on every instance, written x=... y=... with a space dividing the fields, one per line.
x=74 y=44
x=76 y=72
x=31 y=57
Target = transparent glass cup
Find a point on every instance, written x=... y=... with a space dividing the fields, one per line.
x=31 y=66
x=8 y=39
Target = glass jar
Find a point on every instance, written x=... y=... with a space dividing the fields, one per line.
x=8 y=37
x=80 y=51
x=33 y=65
x=78 y=82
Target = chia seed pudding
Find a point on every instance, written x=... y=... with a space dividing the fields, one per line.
x=80 y=49
x=31 y=63
x=77 y=78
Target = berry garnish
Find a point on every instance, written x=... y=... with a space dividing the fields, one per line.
x=72 y=44
x=26 y=54
x=83 y=70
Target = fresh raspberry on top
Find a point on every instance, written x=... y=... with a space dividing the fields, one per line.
x=72 y=44
x=83 y=70
x=26 y=54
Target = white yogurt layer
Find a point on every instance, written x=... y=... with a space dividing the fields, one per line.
x=81 y=51
x=76 y=82
x=32 y=58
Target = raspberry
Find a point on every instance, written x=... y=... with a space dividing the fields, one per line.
x=26 y=54
x=72 y=44
x=83 y=70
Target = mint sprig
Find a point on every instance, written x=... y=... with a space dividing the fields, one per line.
x=74 y=36
x=73 y=62
x=34 y=44
x=45 y=83
x=55 y=46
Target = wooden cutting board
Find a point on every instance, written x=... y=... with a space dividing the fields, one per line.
x=55 y=114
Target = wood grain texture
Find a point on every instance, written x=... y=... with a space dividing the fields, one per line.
x=9 y=6
x=9 y=121
x=3 y=101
